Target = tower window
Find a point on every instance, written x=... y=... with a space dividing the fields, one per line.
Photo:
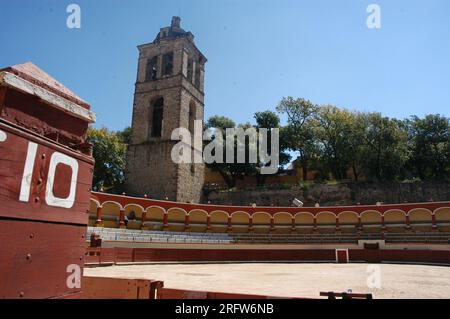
x=197 y=75
x=192 y=116
x=167 y=62
x=190 y=67
x=151 y=71
x=157 y=118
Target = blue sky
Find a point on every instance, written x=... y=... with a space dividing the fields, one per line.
x=258 y=52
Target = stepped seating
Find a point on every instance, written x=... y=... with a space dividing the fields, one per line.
x=116 y=234
x=345 y=238
x=426 y=238
x=297 y=238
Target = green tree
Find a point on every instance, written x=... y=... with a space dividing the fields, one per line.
x=356 y=140
x=109 y=149
x=385 y=152
x=430 y=146
x=220 y=122
x=333 y=132
x=269 y=120
x=298 y=135
x=230 y=172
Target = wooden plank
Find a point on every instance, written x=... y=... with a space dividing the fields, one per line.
x=170 y=293
x=115 y=288
x=13 y=81
x=34 y=258
x=14 y=150
x=2 y=98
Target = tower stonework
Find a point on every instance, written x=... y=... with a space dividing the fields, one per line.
x=169 y=94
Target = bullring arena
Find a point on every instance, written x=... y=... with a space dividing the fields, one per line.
x=285 y=252
x=291 y=279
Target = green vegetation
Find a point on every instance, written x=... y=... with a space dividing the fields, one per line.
x=109 y=149
x=230 y=172
x=339 y=144
x=335 y=143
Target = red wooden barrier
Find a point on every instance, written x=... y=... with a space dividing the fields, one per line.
x=173 y=254
x=92 y=255
x=118 y=288
x=123 y=255
x=45 y=178
x=169 y=293
x=411 y=256
x=108 y=256
x=127 y=255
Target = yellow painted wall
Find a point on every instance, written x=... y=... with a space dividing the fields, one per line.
x=219 y=222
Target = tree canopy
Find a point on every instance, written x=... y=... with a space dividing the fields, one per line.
x=335 y=141
x=109 y=150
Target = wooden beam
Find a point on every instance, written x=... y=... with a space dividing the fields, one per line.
x=13 y=81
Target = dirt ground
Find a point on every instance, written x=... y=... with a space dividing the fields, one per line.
x=295 y=280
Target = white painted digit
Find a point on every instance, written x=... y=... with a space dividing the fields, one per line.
x=50 y=198
x=57 y=158
x=28 y=172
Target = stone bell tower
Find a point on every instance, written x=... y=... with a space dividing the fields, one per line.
x=169 y=94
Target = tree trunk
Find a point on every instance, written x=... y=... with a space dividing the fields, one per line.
x=304 y=168
x=355 y=172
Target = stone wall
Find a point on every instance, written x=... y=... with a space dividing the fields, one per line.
x=339 y=194
x=151 y=171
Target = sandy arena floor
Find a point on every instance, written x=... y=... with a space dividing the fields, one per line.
x=299 y=280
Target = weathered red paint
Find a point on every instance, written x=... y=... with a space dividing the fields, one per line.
x=43 y=233
x=31 y=73
x=28 y=111
x=99 y=215
x=13 y=153
x=113 y=255
x=170 y=293
x=34 y=257
x=118 y=288
x=341 y=256
x=411 y=256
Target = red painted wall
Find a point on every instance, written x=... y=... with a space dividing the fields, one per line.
x=325 y=255
x=419 y=256
x=166 y=205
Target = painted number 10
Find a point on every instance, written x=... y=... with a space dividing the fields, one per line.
x=50 y=198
